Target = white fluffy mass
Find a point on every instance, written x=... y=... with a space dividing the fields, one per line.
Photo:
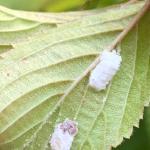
x=105 y=70
x=63 y=135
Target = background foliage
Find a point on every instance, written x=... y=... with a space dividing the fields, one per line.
x=141 y=137
x=57 y=5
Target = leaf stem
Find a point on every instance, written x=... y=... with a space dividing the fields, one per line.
x=130 y=26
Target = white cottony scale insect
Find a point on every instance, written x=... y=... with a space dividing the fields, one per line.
x=103 y=73
x=63 y=135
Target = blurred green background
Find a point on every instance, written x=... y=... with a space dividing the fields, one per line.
x=57 y=5
x=139 y=139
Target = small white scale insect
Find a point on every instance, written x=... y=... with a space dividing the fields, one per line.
x=106 y=69
x=63 y=135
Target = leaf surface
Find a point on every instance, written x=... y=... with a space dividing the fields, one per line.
x=36 y=73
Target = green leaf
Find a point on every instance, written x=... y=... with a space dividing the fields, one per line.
x=36 y=73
